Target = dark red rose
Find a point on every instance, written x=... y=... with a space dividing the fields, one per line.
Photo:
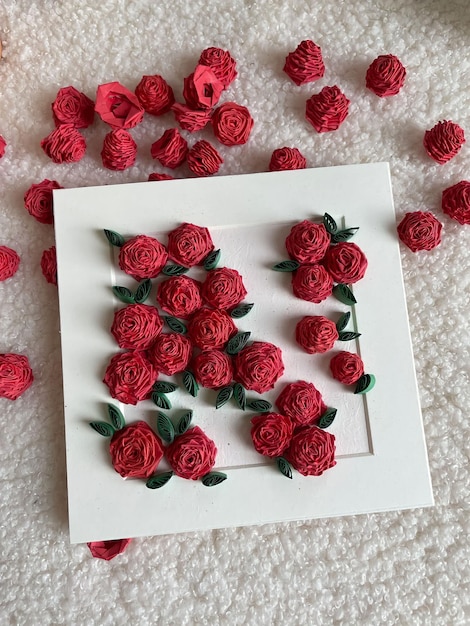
x=444 y=141
x=38 y=200
x=49 y=265
x=420 y=231
x=107 y=550
x=223 y=288
x=155 y=94
x=312 y=451
x=192 y=454
x=456 y=202
x=136 y=326
x=9 y=262
x=202 y=88
x=307 y=242
x=158 y=176
x=179 y=296
x=135 y=451
x=258 y=366
x=130 y=377
x=315 y=333
x=3 y=145
x=210 y=329
x=327 y=110
x=203 y=159
x=271 y=433
x=305 y=64
x=232 y=124
x=64 y=145
x=346 y=262
x=170 y=353
x=119 y=150
x=302 y=402
x=16 y=375
x=212 y=369
x=287 y=159
x=312 y=283
x=188 y=245
x=117 y=106
x=142 y=257
x=221 y=63
x=171 y=149
x=385 y=76
x=347 y=367
x=191 y=119
x=73 y=107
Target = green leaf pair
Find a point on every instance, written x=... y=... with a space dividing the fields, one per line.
x=140 y=296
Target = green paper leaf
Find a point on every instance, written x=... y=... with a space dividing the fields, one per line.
x=165 y=427
x=286 y=266
x=239 y=395
x=124 y=294
x=143 y=291
x=284 y=467
x=330 y=224
x=190 y=383
x=365 y=383
x=163 y=386
x=261 y=406
x=159 y=480
x=348 y=336
x=114 y=238
x=103 y=428
x=327 y=418
x=344 y=294
x=161 y=400
x=212 y=479
x=241 y=310
x=175 y=325
x=223 y=396
x=212 y=259
x=174 y=270
x=237 y=343
x=116 y=417
x=343 y=321
x=344 y=235
x=184 y=422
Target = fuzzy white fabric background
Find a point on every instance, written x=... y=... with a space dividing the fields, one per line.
x=407 y=567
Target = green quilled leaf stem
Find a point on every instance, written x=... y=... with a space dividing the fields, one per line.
x=330 y=224
x=237 y=343
x=241 y=310
x=365 y=383
x=284 y=467
x=174 y=270
x=343 y=235
x=240 y=395
x=261 y=406
x=103 y=428
x=116 y=417
x=165 y=427
x=347 y=336
x=344 y=294
x=114 y=238
x=163 y=386
x=286 y=266
x=190 y=383
x=184 y=423
x=212 y=479
x=175 y=325
x=212 y=260
x=327 y=418
x=159 y=480
x=124 y=294
x=143 y=291
x=160 y=400
x=223 y=396
x=343 y=321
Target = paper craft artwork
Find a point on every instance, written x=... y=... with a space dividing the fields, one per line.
x=444 y=141
x=420 y=230
x=386 y=75
x=9 y=262
x=456 y=202
x=327 y=110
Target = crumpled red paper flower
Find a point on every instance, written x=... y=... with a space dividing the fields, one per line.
x=312 y=451
x=223 y=288
x=9 y=262
x=346 y=262
x=117 y=106
x=192 y=454
x=444 y=141
x=316 y=334
x=287 y=159
x=191 y=119
x=130 y=377
x=347 y=367
x=210 y=329
x=456 y=202
x=420 y=230
x=119 y=150
x=49 y=265
x=258 y=366
x=155 y=94
x=179 y=296
x=305 y=64
x=312 y=283
x=142 y=257
x=171 y=149
x=271 y=433
x=3 y=145
x=221 y=63
x=136 y=326
x=232 y=124
x=107 y=550
x=203 y=159
x=38 y=200
x=64 y=145
x=16 y=375
x=202 y=88
x=73 y=107
x=154 y=176
x=327 y=110
x=386 y=75
x=170 y=353
x=302 y=402
x=307 y=242
x=212 y=369
x=189 y=244
x=135 y=451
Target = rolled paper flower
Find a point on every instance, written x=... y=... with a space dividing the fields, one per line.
x=327 y=110
x=232 y=124
x=49 y=265
x=307 y=242
x=130 y=377
x=192 y=454
x=420 y=231
x=312 y=283
x=171 y=149
x=158 y=176
x=136 y=326
x=107 y=550
x=202 y=88
x=223 y=288
x=135 y=451
x=312 y=451
x=221 y=63
x=259 y=366
x=155 y=94
x=456 y=202
x=189 y=244
x=3 y=145
x=386 y=75
x=179 y=296
x=9 y=262
x=38 y=200
x=170 y=353
x=64 y=145
x=117 y=106
x=443 y=141
x=316 y=334
x=203 y=159
x=271 y=433
x=305 y=64
x=346 y=262
x=287 y=159
x=191 y=119
x=210 y=329
x=16 y=375
x=119 y=150
x=73 y=107
x=142 y=257
x=302 y=402
x=347 y=367
x=212 y=369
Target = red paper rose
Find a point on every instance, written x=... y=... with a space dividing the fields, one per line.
x=315 y=333
x=16 y=375
x=179 y=296
x=346 y=262
x=456 y=202
x=203 y=159
x=347 y=367
x=202 y=88
x=192 y=454
x=158 y=176
x=9 y=262
x=135 y=451
x=232 y=124
x=271 y=433
x=3 y=145
x=119 y=150
x=327 y=110
x=49 y=265
x=73 y=107
x=287 y=159
x=117 y=106
x=444 y=141
x=136 y=326
x=170 y=353
x=212 y=369
x=107 y=550
x=191 y=119
x=420 y=231
x=64 y=145
x=38 y=200
x=312 y=283
x=305 y=64
x=210 y=329
x=312 y=451
x=130 y=377
x=223 y=288
x=302 y=402
x=155 y=94
x=385 y=76
x=221 y=63
x=258 y=366
x=142 y=257
x=307 y=242
x=171 y=149
x=188 y=245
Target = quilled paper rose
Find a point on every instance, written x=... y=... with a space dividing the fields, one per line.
x=305 y=64
x=287 y=159
x=259 y=366
x=191 y=120
x=210 y=329
x=347 y=367
x=386 y=75
x=232 y=124
x=327 y=110
x=456 y=202
x=158 y=176
x=136 y=326
x=223 y=288
x=64 y=145
x=16 y=375
x=221 y=63
x=203 y=159
x=38 y=200
x=307 y=242
x=9 y=262
x=302 y=402
x=130 y=377
x=170 y=353
x=135 y=451
x=346 y=262
x=119 y=150
x=189 y=244
x=107 y=550
x=3 y=145
x=142 y=257
x=202 y=88
x=192 y=454
x=171 y=149
x=312 y=451
x=212 y=369
x=420 y=230
x=117 y=106
x=316 y=334
x=73 y=107
x=49 y=265
x=271 y=433
x=443 y=141
x=155 y=94
x=179 y=296
x=312 y=283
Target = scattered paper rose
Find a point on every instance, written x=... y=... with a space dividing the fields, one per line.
x=212 y=369
x=346 y=262
x=312 y=283
x=117 y=106
x=130 y=377
x=38 y=200
x=386 y=75
x=192 y=454
x=135 y=451
x=444 y=141
x=287 y=159
x=155 y=94
x=232 y=124
x=316 y=334
x=107 y=550
x=223 y=288
x=347 y=367
x=9 y=262
x=64 y=145
x=271 y=433
x=136 y=326
x=119 y=150
x=456 y=202
x=191 y=119
x=302 y=402
x=312 y=451
x=305 y=64
x=188 y=244
x=16 y=375
x=73 y=107
x=221 y=63
x=154 y=176
x=142 y=257
x=171 y=149
x=308 y=242
x=49 y=265
x=327 y=110
x=179 y=296
x=170 y=353
x=3 y=145
x=202 y=88
x=203 y=159
x=210 y=329
x=258 y=366
x=420 y=230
